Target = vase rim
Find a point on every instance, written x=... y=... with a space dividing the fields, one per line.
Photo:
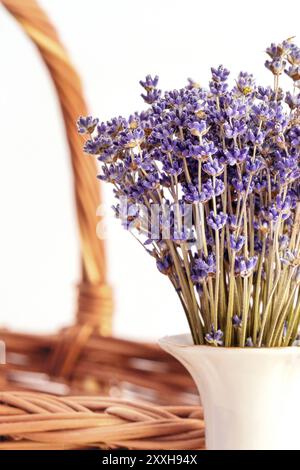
x=184 y=341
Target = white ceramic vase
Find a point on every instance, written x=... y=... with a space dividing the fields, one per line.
x=250 y=395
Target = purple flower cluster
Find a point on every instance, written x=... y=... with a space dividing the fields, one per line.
x=245 y=266
x=203 y=267
x=217 y=221
x=231 y=152
x=214 y=338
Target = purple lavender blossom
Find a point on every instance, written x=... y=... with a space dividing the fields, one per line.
x=150 y=84
x=236 y=155
x=255 y=166
x=203 y=267
x=294 y=72
x=257 y=138
x=232 y=221
x=173 y=167
x=86 y=125
x=292 y=100
x=237 y=244
x=237 y=321
x=97 y=145
x=271 y=213
x=295 y=136
x=235 y=129
x=112 y=174
x=206 y=150
x=214 y=338
x=131 y=138
x=245 y=266
x=152 y=96
x=191 y=193
x=218 y=88
x=211 y=189
x=217 y=221
x=213 y=167
x=220 y=74
x=198 y=128
x=245 y=83
x=264 y=94
x=276 y=66
x=244 y=185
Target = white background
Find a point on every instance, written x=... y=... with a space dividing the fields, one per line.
x=113 y=44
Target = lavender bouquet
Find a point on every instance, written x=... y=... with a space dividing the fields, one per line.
x=207 y=180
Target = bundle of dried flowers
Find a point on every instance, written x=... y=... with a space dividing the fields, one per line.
x=208 y=181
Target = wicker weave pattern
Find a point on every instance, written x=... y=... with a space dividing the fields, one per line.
x=35 y=421
x=101 y=362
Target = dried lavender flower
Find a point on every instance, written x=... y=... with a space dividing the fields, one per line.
x=237 y=321
x=86 y=125
x=214 y=338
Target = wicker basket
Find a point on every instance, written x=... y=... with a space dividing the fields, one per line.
x=84 y=359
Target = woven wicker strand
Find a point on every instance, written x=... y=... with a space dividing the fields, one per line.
x=142 y=369
x=95 y=296
x=36 y=421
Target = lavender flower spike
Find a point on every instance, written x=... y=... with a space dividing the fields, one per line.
x=218 y=221
x=198 y=128
x=86 y=125
x=245 y=266
x=220 y=74
x=237 y=321
x=215 y=337
x=237 y=244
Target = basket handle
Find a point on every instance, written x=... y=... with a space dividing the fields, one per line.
x=94 y=294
